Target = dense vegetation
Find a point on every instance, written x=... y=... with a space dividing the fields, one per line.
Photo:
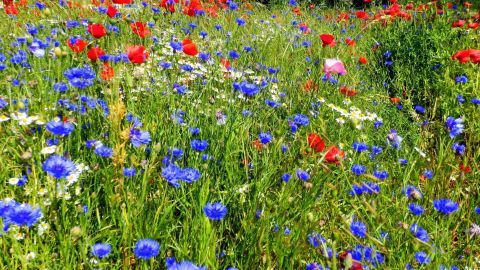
x=232 y=135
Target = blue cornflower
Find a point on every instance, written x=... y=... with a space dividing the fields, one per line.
x=377 y=124
x=129 y=172
x=198 y=145
x=181 y=89
x=476 y=101
x=419 y=232
x=165 y=65
x=248 y=89
x=175 y=153
x=422 y=258
x=103 y=151
x=286 y=177
x=314 y=266
x=172 y=264
x=301 y=120
x=358 y=169
x=80 y=77
x=455 y=126
x=303 y=175
x=265 y=137
x=428 y=174
x=101 y=250
x=402 y=161
x=461 y=79
x=60 y=87
x=240 y=21
x=60 y=128
x=376 y=150
x=445 y=206
x=58 y=166
x=272 y=103
x=477 y=210
x=204 y=56
x=232 y=6
x=315 y=239
x=3 y=103
x=139 y=137
x=233 y=54
x=360 y=147
x=190 y=175
x=416 y=209
x=382 y=175
x=23 y=215
x=146 y=249
x=419 y=109
x=460 y=99
x=176 y=46
x=458 y=148
x=358 y=228
x=367 y=187
x=215 y=211
x=172 y=173
x=194 y=131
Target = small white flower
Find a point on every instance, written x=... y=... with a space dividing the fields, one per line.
x=49 y=150
x=30 y=256
x=43 y=227
x=13 y=181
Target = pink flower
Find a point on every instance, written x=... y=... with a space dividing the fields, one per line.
x=334 y=66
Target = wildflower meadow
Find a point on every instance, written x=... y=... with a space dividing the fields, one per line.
x=235 y=134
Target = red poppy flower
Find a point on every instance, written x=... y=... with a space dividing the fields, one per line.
x=111 y=11
x=328 y=40
x=475 y=56
x=362 y=15
x=11 y=9
x=350 y=42
x=349 y=92
x=334 y=155
x=473 y=25
x=226 y=63
x=362 y=60
x=409 y=6
x=464 y=56
x=193 y=7
x=140 y=29
x=107 y=72
x=467 y=4
x=167 y=6
x=297 y=11
x=342 y=17
x=95 y=53
x=316 y=143
x=77 y=45
x=137 y=54
x=465 y=168
x=123 y=2
x=189 y=47
x=97 y=30
x=459 y=23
